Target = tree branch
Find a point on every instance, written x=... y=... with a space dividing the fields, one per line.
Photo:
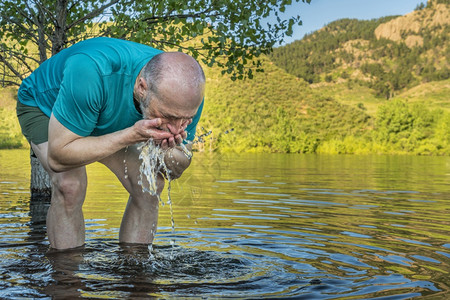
x=95 y=13
x=9 y=82
x=25 y=15
x=26 y=31
x=48 y=13
x=10 y=67
x=38 y=23
x=153 y=20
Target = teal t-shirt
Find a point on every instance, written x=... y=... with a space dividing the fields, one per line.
x=89 y=86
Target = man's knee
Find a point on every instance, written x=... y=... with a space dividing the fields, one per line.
x=139 y=186
x=71 y=189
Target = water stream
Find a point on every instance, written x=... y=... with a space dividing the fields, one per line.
x=247 y=226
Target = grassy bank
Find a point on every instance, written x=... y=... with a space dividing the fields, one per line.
x=10 y=134
x=277 y=112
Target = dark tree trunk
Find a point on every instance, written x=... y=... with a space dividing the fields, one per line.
x=59 y=38
x=42 y=42
x=40 y=184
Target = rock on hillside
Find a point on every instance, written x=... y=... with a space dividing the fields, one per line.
x=408 y=27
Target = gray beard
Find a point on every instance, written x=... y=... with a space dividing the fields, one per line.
x=144 y=103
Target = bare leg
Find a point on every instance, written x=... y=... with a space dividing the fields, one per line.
x=65 y=221
x=140 y=219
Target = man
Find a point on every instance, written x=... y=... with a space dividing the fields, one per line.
x=95 y=101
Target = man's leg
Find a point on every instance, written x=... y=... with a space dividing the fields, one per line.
x=140 y=219
x=65 y=221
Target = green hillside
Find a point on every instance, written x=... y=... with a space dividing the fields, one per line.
x=327 y=93
x=274 y=112
x=318 y=54
x=335 y=100
x=10 y=135
x=277 y=112
x=435 y=94
x=388 y=55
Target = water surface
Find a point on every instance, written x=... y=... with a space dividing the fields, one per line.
x=246 y=226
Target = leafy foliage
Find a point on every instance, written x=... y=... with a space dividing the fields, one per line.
x=10 y=134
x=277 y=111
x=231 y=33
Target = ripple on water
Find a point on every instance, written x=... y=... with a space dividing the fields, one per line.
x=251 y=237
x=178 y=271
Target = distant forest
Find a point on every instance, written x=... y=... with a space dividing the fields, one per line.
x=391 y=65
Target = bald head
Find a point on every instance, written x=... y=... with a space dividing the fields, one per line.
x=175 y=78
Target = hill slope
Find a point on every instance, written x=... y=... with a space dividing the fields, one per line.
x=273 y=112
x=335 y=102
x=388 y=55
x=334 y=107
x=277 y=112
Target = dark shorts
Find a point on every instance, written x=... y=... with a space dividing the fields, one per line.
x=34 y=123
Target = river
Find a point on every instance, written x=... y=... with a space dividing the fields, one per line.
x=246 y=226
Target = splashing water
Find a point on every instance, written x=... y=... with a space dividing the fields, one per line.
x=200 y=138
x=152 y=165
x=186 y=151
x=125 y=163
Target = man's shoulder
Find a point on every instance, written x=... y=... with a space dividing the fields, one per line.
x=113 y=53
x=114 y=44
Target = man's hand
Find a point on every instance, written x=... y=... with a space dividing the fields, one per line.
x=150 y=129
x=177 y=128
x=163 y=133
x=173 y=141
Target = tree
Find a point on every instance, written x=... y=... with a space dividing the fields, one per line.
x=231 y=34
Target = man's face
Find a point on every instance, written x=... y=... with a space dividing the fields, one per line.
x=174 y=118
x=175 y=102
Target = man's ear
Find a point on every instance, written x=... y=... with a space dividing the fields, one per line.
x=142 y=87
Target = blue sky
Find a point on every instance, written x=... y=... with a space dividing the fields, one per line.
x=321 y=12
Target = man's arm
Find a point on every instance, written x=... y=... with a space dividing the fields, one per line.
x=68 y=150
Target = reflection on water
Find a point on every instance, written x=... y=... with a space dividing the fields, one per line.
x=246 y=226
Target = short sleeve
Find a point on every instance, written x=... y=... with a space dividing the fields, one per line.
x=81 y=95
x=191 y=129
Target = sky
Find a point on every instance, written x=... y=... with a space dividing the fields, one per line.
x=321 y=12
